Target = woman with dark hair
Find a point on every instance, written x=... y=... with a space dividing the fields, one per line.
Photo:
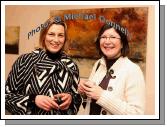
x=116 y=84
x=46 y=80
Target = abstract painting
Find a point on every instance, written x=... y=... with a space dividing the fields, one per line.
x=12 y=39
x=84 y=25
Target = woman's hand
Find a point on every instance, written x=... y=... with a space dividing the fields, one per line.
x=66 y=99
x=92 y=90
x=80 y=86
x=46 y=103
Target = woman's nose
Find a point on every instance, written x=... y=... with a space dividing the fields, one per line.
x=108 y=41
x=55 y=39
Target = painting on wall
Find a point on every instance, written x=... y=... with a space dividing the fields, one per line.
x=12 y=39
x=84 y=24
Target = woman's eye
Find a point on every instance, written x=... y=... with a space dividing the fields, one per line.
x=50 y=34
x=61 y=35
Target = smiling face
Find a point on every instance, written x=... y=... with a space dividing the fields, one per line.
x=110 y=43
x=55 y=38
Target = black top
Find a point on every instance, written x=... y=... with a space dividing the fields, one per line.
x=110 y=62
x=54 y=56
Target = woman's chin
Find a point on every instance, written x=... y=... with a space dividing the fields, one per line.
x=53 y=50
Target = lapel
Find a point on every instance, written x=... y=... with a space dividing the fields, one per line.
x=120 y=64
x=114 y=70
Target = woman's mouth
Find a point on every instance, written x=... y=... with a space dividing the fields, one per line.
x=53 y=44
x=108 y=47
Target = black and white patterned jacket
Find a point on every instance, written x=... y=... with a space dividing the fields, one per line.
x=36 y=74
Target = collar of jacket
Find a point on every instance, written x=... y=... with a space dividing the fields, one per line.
x=116 y=65
x=42 y=61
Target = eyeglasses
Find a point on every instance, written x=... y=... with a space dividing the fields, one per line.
x=110 y=38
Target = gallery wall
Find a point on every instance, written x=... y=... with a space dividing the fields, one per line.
x=31 y=17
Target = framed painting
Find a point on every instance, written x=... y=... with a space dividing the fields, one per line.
x=84 y=24
x=12 y=39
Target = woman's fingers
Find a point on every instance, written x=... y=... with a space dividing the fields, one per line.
x=66 y=99
x=87 y=87
x=46 y=103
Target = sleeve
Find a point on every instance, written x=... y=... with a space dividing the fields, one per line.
x=134 y=102
x=15 y=98
x=76 y=98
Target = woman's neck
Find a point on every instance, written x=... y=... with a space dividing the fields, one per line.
x=110 y=62
x=53 y=56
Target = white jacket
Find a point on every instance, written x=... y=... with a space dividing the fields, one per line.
x=125 y=95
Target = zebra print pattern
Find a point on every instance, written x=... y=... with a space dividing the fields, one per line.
x=35 y=73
